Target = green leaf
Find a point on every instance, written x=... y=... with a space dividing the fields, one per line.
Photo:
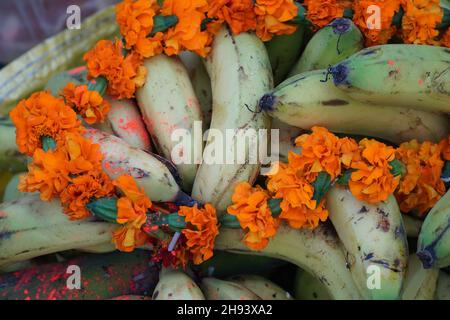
x=274 y=205
x=162 y=23
x=205 y=23
x=398 y=17
x=48 y=143
x=160 y=3
x=398 y=168
x=348 y=13
x=229 y=221
x=321 y=186
x=104 y=208
x=344 y=178
x=98 y=84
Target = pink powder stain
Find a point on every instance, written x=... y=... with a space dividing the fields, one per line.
x=76 y=70
x=420 y=82
x=391 y=62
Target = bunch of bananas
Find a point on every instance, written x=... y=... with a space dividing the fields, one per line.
x=364 y=251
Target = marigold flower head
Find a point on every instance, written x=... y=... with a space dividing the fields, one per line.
x=81 y=190
x=298 y=207
x=420 y=20
x=42 y=115
x=372 y=180
x=130 y=236
x=83 y=156
x=89 y=104
x=272 y=17
x=238 y=14
x=134 y=204
x=445 y=41
x=322 y=12
x=320 y=152
x=422 y=186
x=381 y=35
x=135 y=19
x=445 y=145
x=201 y=231
x=124 y=73
x=47 y=174
x=187 y=33
x=251 y=208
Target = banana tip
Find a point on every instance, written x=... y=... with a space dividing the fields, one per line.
x=427 y=257
x=266 y=102
x=341 y=25
x=340 y=74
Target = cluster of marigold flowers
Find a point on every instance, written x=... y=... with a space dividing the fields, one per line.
x=420 y=19
x=68 y=166
x=195 y=23
x=371 y=177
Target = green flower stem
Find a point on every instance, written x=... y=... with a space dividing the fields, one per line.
x=48 y=143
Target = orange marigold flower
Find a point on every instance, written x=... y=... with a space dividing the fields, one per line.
x=376 y=36
x=322 y=12
x=187 y=33
x=238 y=14
x=254 y=215
x=445 y=145
x=420 y=20
x=298 y=207
x=89 y=104
x=349 y=151
x=445 y=41
x=130 y=236
x=42 y=115
x=272 y=18
x=47 y=174
x=135 y=19
x=372 y=181
x=81 y=190
x=134 y=204
x=201 y=232
x=83 y=156
x=320 y=152
x=124 y=74
x=422 y=186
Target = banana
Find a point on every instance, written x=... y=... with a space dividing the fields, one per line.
x=240 y=73
x=412 y=226
x=176 y=285
x=443 y=286
x=375 y=239
x=215 y=289
x=30 y=228
x=413 y=76
x=283 y=52
x=168 y=104
x=331 y=44
x=201 y=83
x=318 y=251
x=262 y=287
x=286 y=139
x=433 y=247
x=420 y=283
x=10 y=157
x=306 y=100
x=307 y=287
x=11 y=191
x=153 y=173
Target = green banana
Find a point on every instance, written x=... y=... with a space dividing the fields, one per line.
x=11 y=191
x=412 y=76
x=176 y=285
x=433 y=247
x=420 y=283
x=374 y=236
x=215 y=289
x=331 y=44
x=308 y=287
x=307 y=100
x=10 y=157
x=443 y=286
x=30 y=228
x=318 y=251
x=412 y=226
x=283 y=51
x=262 y=287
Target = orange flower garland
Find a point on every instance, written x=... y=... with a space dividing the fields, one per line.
x=89 y=104
x=322 y=12
x=203 y=231
x=422 y=186
x=388 y=8
x=254 y=215
x=42 y=115
x=238 y=14
x=272 y=17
